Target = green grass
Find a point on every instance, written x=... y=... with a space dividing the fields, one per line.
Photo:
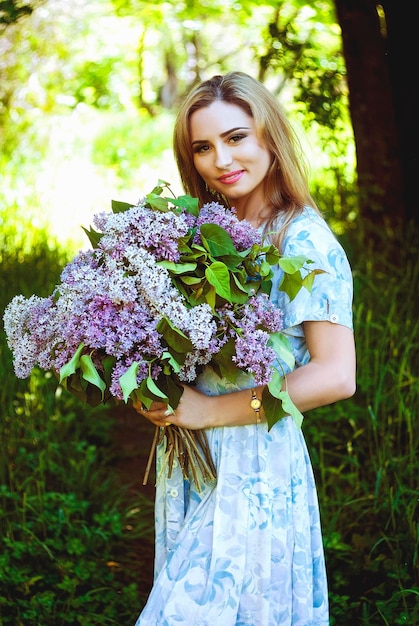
x=71 y=536
x=364 y=452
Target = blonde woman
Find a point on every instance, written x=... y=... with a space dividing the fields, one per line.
x=248 y=550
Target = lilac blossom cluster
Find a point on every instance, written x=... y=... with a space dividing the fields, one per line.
x=156 y=232
x=241 y=232
x=251 y=326
x=112 y=298
x=111 y=301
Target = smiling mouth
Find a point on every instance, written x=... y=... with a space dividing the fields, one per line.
x=231 y=177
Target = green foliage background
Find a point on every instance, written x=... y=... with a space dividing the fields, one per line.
x=83 y=120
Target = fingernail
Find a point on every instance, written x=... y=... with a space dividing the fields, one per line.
x=169 y=412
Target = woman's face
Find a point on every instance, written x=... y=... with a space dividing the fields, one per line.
x=228 y=154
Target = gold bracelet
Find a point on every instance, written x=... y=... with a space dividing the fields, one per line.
x=255 y=403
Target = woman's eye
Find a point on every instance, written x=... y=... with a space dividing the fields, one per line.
x=236 y=138
x=200 y=149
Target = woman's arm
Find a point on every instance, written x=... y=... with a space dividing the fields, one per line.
x=327 y=378
x=330 y=375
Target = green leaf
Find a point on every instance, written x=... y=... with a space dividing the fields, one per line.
x=308 y=280
x=233 y=261
x=188 y=203
x=239 y=292
x=218 y=276
x=191 y=280
x=196 y=248
x=165 y=390
x=280 y=343
x=90 y=373
x=108 y=363
x=161 y=184
x=266 y=286
x=173 y=336
x=93 y=235
x=265 y=269
x=272 y=408
x=291 y=284
x=216 y=240
x=241 y=277
x=292 y=264
x=156 y=202
x=172 y=389
x=155 y=390
x=73 y=364
x=128 y=381
x=177 y=268
x=223 y=363
x=277 y=404
x=172 y=362
x=290 y=408
x=210 y=296
x=120 y=207
x=77 y=387
x=272 y=254
x=293 y=281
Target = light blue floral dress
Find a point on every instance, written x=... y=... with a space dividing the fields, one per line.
x=247 y=551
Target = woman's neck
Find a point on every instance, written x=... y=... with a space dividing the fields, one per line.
x=255 y=213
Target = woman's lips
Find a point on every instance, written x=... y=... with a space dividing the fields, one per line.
x=231 y=177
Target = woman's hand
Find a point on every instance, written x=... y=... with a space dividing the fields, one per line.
x=193 y=411
x=197 y=410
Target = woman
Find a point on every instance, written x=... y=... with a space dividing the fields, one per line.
x=248 y=550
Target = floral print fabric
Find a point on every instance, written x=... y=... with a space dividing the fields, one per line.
x=247 y=551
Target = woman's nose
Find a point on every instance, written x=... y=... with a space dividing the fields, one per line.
x=223 y=157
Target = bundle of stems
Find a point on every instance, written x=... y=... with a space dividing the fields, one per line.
x=190 y=448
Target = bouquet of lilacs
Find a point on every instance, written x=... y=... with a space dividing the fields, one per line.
x=166 y=289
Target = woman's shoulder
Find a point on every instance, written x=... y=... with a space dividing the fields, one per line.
x=307 y=219
x=330 y=297
x=308 y=234
x=308 y=229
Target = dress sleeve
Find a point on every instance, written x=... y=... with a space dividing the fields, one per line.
x=332 y=292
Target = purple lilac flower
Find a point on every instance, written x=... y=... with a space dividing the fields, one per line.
x=241 y=232
x=112 y=298
x=155 y=231
x=251 y=326
x=259 y=311
x=254 y=355
x=118 y=329
x=83 y=266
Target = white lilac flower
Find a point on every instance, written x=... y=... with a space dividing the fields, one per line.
x=156 y=231
x=156 y=289
x=202 y=326
x=22 y=344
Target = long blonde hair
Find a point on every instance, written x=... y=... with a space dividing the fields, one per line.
x=286 y=183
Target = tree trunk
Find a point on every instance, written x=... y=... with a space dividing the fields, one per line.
x=402 y=46
x=382 y=190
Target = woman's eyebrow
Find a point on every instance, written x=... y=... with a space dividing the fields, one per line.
x=233 y=130
x=224 y=134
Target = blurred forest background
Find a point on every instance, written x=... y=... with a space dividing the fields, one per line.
x=88 y=94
